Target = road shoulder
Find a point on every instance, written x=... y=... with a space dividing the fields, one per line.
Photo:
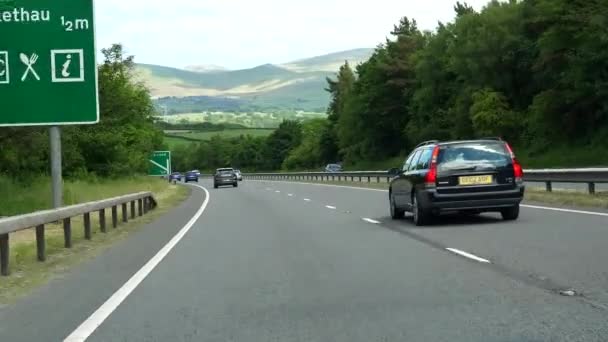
x=80 y=291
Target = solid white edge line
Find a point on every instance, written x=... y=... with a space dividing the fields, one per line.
x=330 y=207
x=523 y=205
x=565 y=210
x=468 y=255
x=371 y=220
x=105 y=310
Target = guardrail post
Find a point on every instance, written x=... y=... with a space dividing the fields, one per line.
x=377 y=179
x=548 y=186
x=339 y=178
x=146 y=204
x=87 y=226
x=352 y=178
x=140 y=207
x=359 y=179
x=114 y=216
x=333 y=178
x=369 y=179
x=591 y=188
x=124 y=213
x=67 y=232
x=4 y=254
x=388 y=179
x=132 y=209
x=40 y=243
x=102 y=220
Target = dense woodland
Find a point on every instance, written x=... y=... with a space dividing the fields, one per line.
x=534 y=72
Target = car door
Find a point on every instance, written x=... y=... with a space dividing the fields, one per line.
x=400 y=183
x=409 y=177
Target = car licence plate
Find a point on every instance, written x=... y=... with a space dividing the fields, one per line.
x=475 y=180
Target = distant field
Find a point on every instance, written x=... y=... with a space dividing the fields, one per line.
x=174 y=138
x=251 y=119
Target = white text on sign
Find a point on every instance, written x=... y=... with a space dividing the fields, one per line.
x=22 y=15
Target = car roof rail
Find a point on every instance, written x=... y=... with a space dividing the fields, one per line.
x=428 y=142
x=491 y=138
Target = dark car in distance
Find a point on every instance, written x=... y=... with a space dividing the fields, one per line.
x=333 y=168
x=225 y=176
x=191 y=176
x=470 y=176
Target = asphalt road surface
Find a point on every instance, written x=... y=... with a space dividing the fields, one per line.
x=275 y=261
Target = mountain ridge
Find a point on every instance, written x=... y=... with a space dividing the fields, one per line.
x=296 y=85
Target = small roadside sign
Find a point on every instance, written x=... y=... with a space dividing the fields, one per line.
x=160 y=163
x=48 y=72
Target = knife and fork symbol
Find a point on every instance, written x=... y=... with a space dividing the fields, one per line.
x=29 y=63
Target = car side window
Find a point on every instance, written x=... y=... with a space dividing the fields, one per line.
x=425 y=159
x=414 y=161
x=408 y=161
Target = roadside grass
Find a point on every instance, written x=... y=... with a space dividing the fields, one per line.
x=28 y=273
x=570 y=198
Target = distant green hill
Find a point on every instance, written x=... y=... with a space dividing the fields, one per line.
x=297 y=85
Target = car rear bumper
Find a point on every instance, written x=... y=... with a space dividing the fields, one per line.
x=485 y=201
x=224 y=181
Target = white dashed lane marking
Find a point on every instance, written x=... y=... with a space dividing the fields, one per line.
x=468 y=255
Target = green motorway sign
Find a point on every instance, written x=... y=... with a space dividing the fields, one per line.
x=160 y=163
x=48 y=72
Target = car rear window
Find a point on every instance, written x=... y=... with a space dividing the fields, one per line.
x=472 y=156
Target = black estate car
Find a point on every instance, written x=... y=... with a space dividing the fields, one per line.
x=458 y=176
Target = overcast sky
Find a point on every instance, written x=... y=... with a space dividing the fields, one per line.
x=245 y=33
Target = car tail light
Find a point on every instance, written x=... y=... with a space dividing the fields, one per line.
x=431 y=176
x=518 y=171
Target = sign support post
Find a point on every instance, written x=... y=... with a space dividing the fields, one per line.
x=55 y=156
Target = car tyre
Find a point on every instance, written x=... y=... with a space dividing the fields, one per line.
x=235 y=185
x=396 y=213
x=421 y=217
x=215 y=186
x=510 y=214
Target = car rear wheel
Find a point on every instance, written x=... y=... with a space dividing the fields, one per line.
x=510 y=214
x=215 y=186
x=421 y=216
x=396 y=213
x=235 y=185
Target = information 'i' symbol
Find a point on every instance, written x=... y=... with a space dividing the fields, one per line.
x=66 y=66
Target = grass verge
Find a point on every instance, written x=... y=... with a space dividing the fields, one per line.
x=560 y=197
x=27 y=273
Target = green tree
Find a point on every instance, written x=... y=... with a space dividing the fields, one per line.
x=280 y=143
x=307 y=154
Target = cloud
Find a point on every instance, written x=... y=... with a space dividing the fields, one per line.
x=245 y=33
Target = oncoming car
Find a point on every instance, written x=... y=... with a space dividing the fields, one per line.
x=471 y=176
x=225 y=176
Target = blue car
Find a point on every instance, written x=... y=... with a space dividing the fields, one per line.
x=191 y=176
x=175 y=176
